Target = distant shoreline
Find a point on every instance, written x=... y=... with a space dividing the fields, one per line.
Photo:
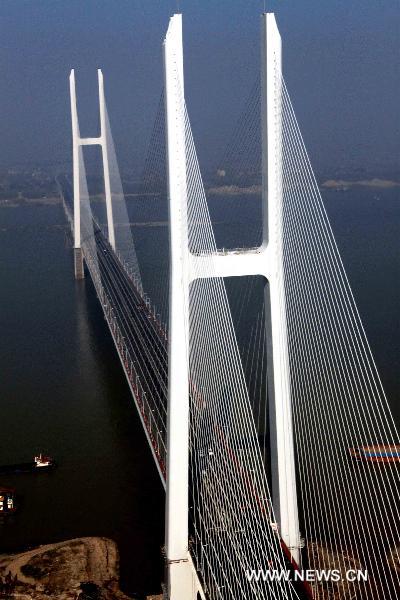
x=335 y=184
x=21 y=201
x=223 y=190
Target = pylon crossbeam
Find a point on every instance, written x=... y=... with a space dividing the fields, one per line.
x=232 y=263
x=92 y=141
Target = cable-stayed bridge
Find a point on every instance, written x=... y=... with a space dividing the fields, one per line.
x=259 y=471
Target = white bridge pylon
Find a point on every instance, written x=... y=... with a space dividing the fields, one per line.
x=183 y=583
x=185 y=267
x=77 y=143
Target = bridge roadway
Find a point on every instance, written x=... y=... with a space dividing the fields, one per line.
x=140 y=330
x=138 y=335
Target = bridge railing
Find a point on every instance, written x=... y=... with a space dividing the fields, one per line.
x=146 y=413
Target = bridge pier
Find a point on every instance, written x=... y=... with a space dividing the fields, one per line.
x=183 y=582
x=78 y=263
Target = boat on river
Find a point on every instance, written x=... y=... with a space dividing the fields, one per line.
x=39 y=463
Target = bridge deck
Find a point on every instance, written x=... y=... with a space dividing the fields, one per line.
x=139 y=337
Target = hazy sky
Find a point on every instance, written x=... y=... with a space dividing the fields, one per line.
x=341 y=64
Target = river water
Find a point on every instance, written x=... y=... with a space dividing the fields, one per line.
x=62 y=389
